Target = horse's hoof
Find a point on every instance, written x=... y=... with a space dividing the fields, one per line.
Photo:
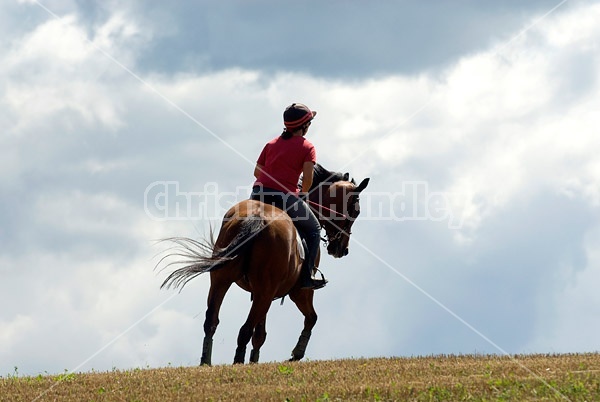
x=240 y=355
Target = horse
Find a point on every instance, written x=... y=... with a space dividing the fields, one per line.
x=257 y=249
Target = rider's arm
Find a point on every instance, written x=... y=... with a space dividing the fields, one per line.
x=307 y=176
x=257 y=170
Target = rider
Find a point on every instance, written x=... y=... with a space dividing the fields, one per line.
x=277 y=172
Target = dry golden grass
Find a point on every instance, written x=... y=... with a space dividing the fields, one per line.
x=573 y=377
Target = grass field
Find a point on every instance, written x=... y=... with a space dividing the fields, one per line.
x=574 y=377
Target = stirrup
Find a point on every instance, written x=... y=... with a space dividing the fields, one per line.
x=314 y=283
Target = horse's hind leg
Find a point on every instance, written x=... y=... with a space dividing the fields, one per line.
x=258 y=339
x=304 y=301
x=216 y=295
x=255 y=322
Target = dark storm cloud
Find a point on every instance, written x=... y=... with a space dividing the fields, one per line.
x=331 y=39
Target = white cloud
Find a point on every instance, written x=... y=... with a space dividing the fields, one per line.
x=10 y=331
x=61 y=67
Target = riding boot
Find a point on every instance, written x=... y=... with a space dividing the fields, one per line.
x=307 y=278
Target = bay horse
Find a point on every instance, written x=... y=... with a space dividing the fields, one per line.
x=258 y=250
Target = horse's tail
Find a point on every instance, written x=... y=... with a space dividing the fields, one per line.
x=204 y=256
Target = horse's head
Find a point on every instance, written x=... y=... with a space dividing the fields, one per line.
x=341 y=199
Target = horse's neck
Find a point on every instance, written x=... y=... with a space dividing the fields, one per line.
x=320 y=192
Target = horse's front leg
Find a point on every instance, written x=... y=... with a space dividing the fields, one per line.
x=303 y=298
x=216 y=294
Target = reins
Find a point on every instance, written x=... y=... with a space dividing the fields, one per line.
x=326 y=209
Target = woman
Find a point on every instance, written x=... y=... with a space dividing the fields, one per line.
x=277 y=172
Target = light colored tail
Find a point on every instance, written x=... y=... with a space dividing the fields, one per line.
x=198 y=257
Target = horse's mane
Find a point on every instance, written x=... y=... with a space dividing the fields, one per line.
x=322 y=175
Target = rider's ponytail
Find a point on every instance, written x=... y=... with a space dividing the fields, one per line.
x=286 y=135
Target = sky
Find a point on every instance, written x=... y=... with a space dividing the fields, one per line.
x=476 y=122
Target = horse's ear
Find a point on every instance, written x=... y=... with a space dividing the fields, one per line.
x=363 y=184
x=346 y=176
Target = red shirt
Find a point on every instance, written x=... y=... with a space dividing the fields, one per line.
x=282 y=162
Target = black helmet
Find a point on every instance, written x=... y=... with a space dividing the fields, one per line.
x=296 y=115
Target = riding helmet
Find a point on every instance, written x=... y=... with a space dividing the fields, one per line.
x=297 y=114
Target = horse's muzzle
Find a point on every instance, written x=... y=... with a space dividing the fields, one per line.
x=338 y=252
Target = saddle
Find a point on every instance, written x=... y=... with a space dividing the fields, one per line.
x=302 y=246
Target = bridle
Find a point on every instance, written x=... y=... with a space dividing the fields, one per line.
x=333 y=238
x=339 y=230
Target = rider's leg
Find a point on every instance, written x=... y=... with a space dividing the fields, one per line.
x=308 y=224
x=308 y=279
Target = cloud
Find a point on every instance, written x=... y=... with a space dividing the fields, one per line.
x=568 y=324
x=505 y=132
x=333 y=40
